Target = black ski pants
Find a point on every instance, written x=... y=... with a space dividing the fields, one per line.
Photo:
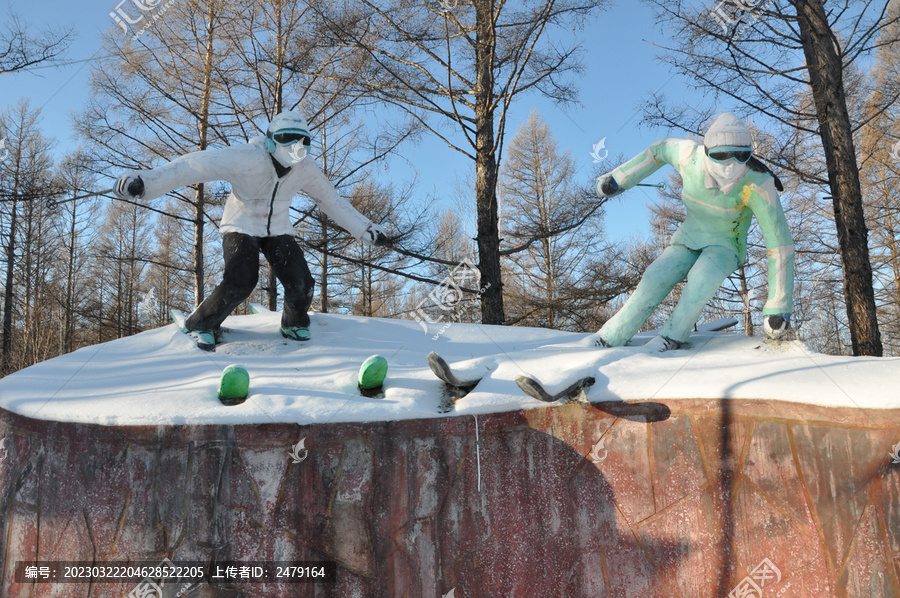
x=242 y=272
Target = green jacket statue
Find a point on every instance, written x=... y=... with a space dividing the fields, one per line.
x=722 y=189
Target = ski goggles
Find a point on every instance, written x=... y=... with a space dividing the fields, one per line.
x=729 y=152
x=290 y=136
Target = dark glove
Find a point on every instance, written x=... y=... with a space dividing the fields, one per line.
x=776 y=326
x=375 y=236
x=607 y=186
x=129 y=187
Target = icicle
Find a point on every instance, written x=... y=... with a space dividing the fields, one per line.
x=478 y=453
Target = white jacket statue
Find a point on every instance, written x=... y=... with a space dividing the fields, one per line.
x=265 y=175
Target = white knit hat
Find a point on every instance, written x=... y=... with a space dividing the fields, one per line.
x=727 y=130
x=288 y=120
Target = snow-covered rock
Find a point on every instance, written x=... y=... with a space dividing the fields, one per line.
x=159 y=377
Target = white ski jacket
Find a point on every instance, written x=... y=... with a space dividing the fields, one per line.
x=259 y=203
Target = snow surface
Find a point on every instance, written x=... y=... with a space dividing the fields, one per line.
x=160 y=377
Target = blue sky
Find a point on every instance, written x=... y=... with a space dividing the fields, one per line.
x=621 y=71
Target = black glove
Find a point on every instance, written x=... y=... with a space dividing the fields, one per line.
x=776 y=326
x=129 y=187
x=375 y=236
x=607 y=186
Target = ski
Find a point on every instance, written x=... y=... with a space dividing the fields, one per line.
x=536 y=390
x=714 y=326
x=443 y=371
x=259 y=308
x=718 y=325
x=178 y=317
x=454 y=388
x=202 y=339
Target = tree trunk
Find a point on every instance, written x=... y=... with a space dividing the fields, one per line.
x=28 y=282
x=323 y=284
x=8 y=291
x=199 y=201
x=486 y=168
x=825 y=76
x=745 y=298
x=272 y=286
x=69 y=310
x=200 y=197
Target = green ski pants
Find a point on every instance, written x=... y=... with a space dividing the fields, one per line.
x=705 y=270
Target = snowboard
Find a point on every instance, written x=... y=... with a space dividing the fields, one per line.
x=179 y=317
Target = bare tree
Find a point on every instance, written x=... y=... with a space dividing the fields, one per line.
x=371 y=282
x=540 y=195
x=25 y=182
x=123 y=250
x=880 y=170
x=159 y=96
x=262 y=64
x=76 y=226
x=768 y=59
x=463 y=67
x=20 y=50
x=255 y=81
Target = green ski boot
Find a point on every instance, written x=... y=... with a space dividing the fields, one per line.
x=296 y=333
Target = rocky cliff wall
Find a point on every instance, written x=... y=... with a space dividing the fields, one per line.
x=687 y=498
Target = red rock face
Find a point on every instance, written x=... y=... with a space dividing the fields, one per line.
x=689 y=498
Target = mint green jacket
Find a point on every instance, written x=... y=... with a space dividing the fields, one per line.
x=716 y=218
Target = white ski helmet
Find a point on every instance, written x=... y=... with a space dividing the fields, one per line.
x=287 y=128
x=727 y=131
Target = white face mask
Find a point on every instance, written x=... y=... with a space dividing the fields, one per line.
x=727 y=173
x=288 y=155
